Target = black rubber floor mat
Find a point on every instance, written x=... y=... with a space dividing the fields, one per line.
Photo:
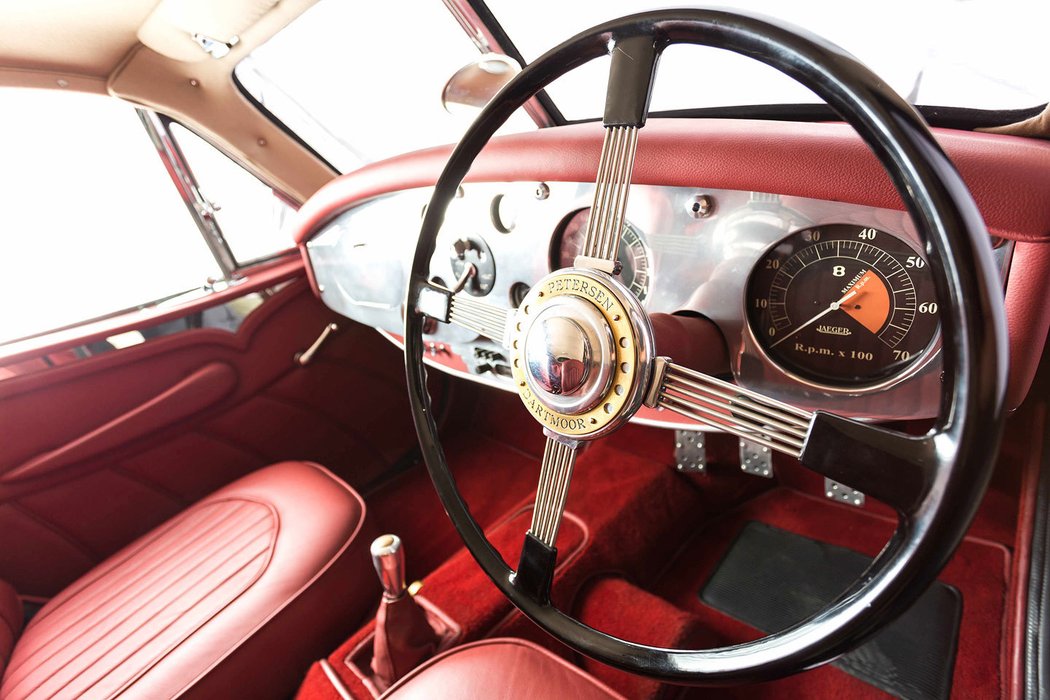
x=772 y=579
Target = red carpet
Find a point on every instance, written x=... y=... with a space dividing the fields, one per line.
x=648 y=539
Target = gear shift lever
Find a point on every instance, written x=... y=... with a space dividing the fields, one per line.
x=404 y=637
x=389 y=559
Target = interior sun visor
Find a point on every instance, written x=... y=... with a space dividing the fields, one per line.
x=192 y=30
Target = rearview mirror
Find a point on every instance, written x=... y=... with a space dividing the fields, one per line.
x=475 y=84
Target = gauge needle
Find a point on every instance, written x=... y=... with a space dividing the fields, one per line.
x=833 y=306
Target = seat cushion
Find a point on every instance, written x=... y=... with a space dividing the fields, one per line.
x=499 y=669
x=233 y=597
x=10 y=622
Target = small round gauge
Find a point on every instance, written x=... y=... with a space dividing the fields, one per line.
x=473 y=250
x=632 y=251
x=842 y=305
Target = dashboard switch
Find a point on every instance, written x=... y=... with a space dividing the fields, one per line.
x=473 y=250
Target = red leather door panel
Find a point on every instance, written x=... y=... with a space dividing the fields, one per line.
x=97 y=452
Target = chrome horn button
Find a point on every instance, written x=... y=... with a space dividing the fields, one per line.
x=558 y=355
x=569 y=355
x=581 y=353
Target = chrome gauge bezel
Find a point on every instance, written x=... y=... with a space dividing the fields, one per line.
x=913 y=367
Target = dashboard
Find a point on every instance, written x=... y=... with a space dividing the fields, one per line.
x=713 y=203
x=824 y=305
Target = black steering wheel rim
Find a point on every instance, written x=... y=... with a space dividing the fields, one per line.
x=955 y=459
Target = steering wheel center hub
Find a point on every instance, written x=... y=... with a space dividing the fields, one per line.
x=569 y=355
x=581 y=353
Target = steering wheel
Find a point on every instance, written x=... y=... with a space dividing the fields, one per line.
x=583 y=356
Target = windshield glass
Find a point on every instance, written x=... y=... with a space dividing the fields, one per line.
x=356 y=90
x=361 y=81
x=985 y=54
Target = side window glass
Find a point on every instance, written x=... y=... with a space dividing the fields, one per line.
x=252 y=217
x=93 y=224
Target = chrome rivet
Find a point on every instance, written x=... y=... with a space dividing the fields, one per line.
x=542 y=191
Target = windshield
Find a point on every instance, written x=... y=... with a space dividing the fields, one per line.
x=984 y=54
x=355 y=90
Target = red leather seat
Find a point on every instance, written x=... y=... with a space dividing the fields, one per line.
x=232 y=598
x=499 y=669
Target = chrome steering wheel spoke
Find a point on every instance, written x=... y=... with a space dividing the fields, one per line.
x=631 y=75
x=887 y=465
x=483 y=318
x=462 y=309
x=535 y=572
x=559 y=458
x=725 y=406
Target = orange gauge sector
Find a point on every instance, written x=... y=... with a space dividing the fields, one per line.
x=842 y=305
x=871 y=306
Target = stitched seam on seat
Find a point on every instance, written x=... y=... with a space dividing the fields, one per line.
x=110 y=565
x=114 y=667
x=112 y=627
x=207 y=537
x=208 y=534
x=205 y=534
x=155 y=614
x=362 y=516
x=205 y=618
x=66 y=630
x=175 y=564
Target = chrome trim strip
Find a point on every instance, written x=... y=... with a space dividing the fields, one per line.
x=202 y=211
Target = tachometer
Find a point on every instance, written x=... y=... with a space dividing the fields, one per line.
x=842 y=305
x=631 y=251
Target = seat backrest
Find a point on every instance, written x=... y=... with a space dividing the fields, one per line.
x=11 y=617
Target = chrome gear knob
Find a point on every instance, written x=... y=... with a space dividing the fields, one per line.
x=388 y=557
